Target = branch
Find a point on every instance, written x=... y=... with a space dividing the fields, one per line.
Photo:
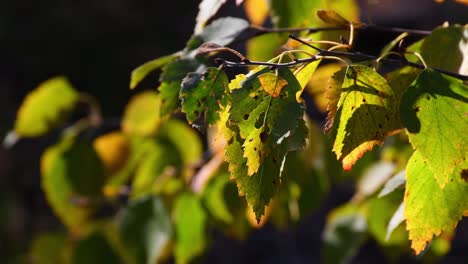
x=262 y=30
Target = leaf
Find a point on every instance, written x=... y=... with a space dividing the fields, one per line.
x=295 y=13
x=381 y=212
x=393 y=183
x=272 y=83
x=190 y=222
x=304 y=75
x=113 y=150
x=142 y=115
x=374 y=177
x=446 y=48
x=429 y=209
x=332 y=18
x=145 y=229
x=332 y=94
x=204 y=93
x=257 y=11
x=215 y=199
x=395 y=221
x=393 y=43
x=434 y=110
x=223 y=30
x=46 y=107
x=264 y=129
x=365 y=115
x=94 y=249
x=344 y=233
x=72 y=172
x=143 y=70
x=49 y=248
x=207 y=9
x=171 y=79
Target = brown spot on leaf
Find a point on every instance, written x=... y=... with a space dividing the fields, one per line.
x=255 y=148
x=380 y=126
x=364 y=100
x=255 y=97
x=263 y=136
x=416 y=109
x=428 y=97
x=246 y=116
x=464 y=175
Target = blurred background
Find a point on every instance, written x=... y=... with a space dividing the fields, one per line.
x=96 y=44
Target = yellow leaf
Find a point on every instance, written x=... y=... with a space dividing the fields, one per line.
x=272 y=84
x=113 y=149
x=142 y=115
x=256 y=10
x=332 y=18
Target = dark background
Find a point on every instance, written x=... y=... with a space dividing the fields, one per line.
x=96 y=44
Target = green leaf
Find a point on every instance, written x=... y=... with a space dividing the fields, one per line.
x=145 y=229
x=204 y=93
x=171 y=79
x=94 y=249
x=207 y=9
x=49 y=248
x=190 y=222
x=215 y=199
x=433 y=110
x=143 y=70
x=266 y=128
x=304 y=74
x=72 y=172
x=223 y=30
x=446 y=48
x=142 y=116
x=344 y=233
x=365 y=115
x=430 y=209
x=46 y=107
x=295 y=13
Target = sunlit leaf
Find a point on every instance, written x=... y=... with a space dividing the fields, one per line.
x=145 y=229
x=45 y=108
x=366 y=114
x=304 y=75
x=142 y=115
x=434 y=110
x=257 y=11
x=143 y=70
x=207 y=9
x=204 y=93
x=272 y=83
x=429 y=209
x=190 y=222
x=73 y=174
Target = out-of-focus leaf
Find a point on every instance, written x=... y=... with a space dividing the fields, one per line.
x=366 y=114
x=207 y=9
x=380 y=214
x=215 y=199
x=429 y=209
x=145 y=229
x=395 y=221
x=45 y=108
x=113 y=150
x=373 y=178
x=223 y=30
x=190 y=222
x=393 y=43
x=344 y=233
x=49 y=248
x=294 y=13
x=94 y=249
x=433 y=110
x=257 y=11
x=393 y=183
x=319 y=82
x=303 y=75
x=263 y=47
x=142 y=116
x=331 y=17
x=204 y=93
x=143 y=70
x=72 y=172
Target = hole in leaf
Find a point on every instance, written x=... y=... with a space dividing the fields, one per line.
x=263 y=136
x=416 y=109
x=364 y=100
x=246 y=116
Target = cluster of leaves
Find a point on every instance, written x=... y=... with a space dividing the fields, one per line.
x=163 y=191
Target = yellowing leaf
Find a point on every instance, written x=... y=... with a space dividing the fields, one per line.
x=303 y=75
x=45 y=108
x=332 y=18
x=113 y=150
x=430 y=209
x=272 y=83
x=256 y=11
x=319 y=82
x=434 y=110
x=141 y=115
x=365 y=115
